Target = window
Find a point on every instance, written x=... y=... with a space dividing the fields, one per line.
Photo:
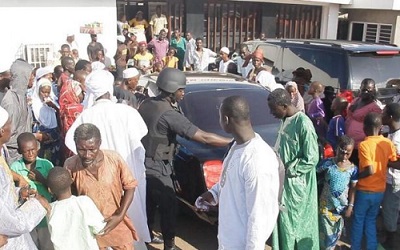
x=39 y=55
x=371 y=32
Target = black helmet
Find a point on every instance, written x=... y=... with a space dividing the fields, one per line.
x=170 y=80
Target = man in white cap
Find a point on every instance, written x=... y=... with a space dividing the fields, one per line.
x=225 y=61
x=71 y=41
x=14 y=101
x=122 y=129
x=16 y=220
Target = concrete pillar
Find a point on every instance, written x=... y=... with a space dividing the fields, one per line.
x=194 y=11
x=329 y=21
x=396 y=32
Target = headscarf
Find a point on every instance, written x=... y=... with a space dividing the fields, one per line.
x=98 y=66
x=98 y=83
x=44 y=114
x=297 y=101
x=259 y=54
x=3 y=116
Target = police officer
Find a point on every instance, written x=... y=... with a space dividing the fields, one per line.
x=164 y=121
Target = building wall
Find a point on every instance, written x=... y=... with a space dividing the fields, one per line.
x=377 y=16
x=48 y=21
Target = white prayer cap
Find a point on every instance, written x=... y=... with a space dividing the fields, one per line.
x=5 y=65
x=129 y=73
x=70 y=34
x=99 y=82
x=3 y=116
x=121 y=38
x=225 y=50
x=44 y=82
x=98 y=66
x=40 y=72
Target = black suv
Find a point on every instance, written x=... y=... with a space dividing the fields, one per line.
x=341 y=64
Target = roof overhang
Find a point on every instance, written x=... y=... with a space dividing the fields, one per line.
x=373 y=4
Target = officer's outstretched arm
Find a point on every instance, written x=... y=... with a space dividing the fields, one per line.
x=211 y=138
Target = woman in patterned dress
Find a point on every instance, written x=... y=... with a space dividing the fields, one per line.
x=337 y=198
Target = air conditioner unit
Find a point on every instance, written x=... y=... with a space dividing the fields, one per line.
x=39 y=55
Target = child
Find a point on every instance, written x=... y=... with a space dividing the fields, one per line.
x=73 y=221
x=170 y=61
x=336 y=124
x=34 y=170
x=375 y=154
x=158 y=67
x=391 y=198
x=315 y=110
x=336 y=197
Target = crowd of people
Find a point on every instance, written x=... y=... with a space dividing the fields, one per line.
x=87 y=155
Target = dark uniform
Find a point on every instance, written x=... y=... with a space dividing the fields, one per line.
x=164 y=121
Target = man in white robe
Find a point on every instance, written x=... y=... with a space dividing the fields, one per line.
x=16 y=222
x=247 y=192
x=122 y=129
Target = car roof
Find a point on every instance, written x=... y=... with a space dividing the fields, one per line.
x=351 y=46
x=193 y=77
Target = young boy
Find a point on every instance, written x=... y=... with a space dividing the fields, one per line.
x=391 y=199
x=376 y=153
x=336 y=124
x=74 y=221
x=315 y=109
x=34 y=170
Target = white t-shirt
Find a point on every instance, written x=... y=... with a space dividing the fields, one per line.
x=247 y=194
x=202 y=59
x=158 y=23
x=394 y=174
x=223 y=66
x=74 y=222
x=267 y=80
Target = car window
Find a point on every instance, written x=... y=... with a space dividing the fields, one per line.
x=202 y=107
x=326 y=66
x=379 y=68
x=270 y=51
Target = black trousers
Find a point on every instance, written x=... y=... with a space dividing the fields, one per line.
x=161 y=193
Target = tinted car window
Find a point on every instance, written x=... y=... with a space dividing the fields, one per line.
x=326 y=66
x=379 y=68
x=202 y=107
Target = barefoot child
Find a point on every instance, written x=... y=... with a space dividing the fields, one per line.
x=34 y=170
x=337 y=198
x=84 y=220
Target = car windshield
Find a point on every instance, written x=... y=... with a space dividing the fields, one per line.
x=202 y=107
x=380 y=68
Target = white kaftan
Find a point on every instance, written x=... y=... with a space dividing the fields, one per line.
x=122 y=128
x=247 y=194
x=267 y=80
x=16 y=222
x=84 y=221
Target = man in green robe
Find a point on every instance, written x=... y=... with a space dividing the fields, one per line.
x=297 y=145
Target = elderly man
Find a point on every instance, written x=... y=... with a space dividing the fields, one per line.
x=247 y=192
x=16 y=221
x=14 y=101
x=122 y=128
x=297 y=146
x=104 y=176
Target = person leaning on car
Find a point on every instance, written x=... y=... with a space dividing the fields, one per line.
x=164 y=121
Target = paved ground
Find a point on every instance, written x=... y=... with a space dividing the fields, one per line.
x=194 y=233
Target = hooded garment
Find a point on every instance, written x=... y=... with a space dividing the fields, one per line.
x=15 y=103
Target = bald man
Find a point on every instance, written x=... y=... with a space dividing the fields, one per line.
x=247 y=193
